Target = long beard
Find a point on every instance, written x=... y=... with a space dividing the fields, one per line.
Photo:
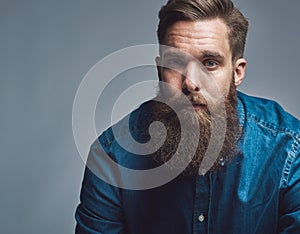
x=163 y=113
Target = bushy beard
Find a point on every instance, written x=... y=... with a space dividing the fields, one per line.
x=163 y=113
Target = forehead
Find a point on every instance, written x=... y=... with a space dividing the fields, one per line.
x=194 y=37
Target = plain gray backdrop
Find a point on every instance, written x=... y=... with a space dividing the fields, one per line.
x=46 y=48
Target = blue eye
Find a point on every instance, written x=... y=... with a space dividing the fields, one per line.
x=210 y=64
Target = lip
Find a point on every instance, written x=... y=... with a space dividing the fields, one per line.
x=197 y=106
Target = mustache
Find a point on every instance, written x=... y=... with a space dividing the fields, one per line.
x=175 y=97
x=194 y=99
x=197 y=99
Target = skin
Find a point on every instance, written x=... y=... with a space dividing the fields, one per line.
x=207 y=42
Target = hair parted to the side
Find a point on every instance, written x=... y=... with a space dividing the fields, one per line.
x=194 y=10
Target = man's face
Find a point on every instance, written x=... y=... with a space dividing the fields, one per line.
x=205 y=42
x=197 y=54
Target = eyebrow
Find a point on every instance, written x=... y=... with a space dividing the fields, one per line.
x=177 y=54
x=212 y=55
x=206 y=54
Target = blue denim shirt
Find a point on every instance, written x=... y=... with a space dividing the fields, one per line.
x=257 y=192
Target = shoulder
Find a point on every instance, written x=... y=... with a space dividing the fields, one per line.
x=132 y=125
x=269 y=114
x=124 y=142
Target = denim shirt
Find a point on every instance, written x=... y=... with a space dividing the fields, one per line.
x=257 y=192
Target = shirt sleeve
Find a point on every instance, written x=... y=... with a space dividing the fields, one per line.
x=100 y=208
x=289 y=220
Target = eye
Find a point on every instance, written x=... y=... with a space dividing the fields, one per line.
x=210 y=64
x=174 y=63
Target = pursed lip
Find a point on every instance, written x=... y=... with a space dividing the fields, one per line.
x=193 y=105
x=197 y=106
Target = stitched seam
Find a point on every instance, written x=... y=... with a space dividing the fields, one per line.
x=289 y=162
x=272 y=127
x=105 y=140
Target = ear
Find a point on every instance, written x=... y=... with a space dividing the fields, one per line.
x=158 y=67
x=239 y=71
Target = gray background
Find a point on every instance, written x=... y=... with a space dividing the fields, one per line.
x=46 y=48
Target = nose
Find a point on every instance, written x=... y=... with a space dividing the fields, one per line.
x=191 y=81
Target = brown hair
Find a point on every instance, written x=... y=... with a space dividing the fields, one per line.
x=193 y=10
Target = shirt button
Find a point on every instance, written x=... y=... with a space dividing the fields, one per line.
x=201 y=218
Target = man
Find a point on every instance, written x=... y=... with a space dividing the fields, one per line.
x=250 y=185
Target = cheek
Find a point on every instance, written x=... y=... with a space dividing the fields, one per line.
x=223 y=83
x=172 y=78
